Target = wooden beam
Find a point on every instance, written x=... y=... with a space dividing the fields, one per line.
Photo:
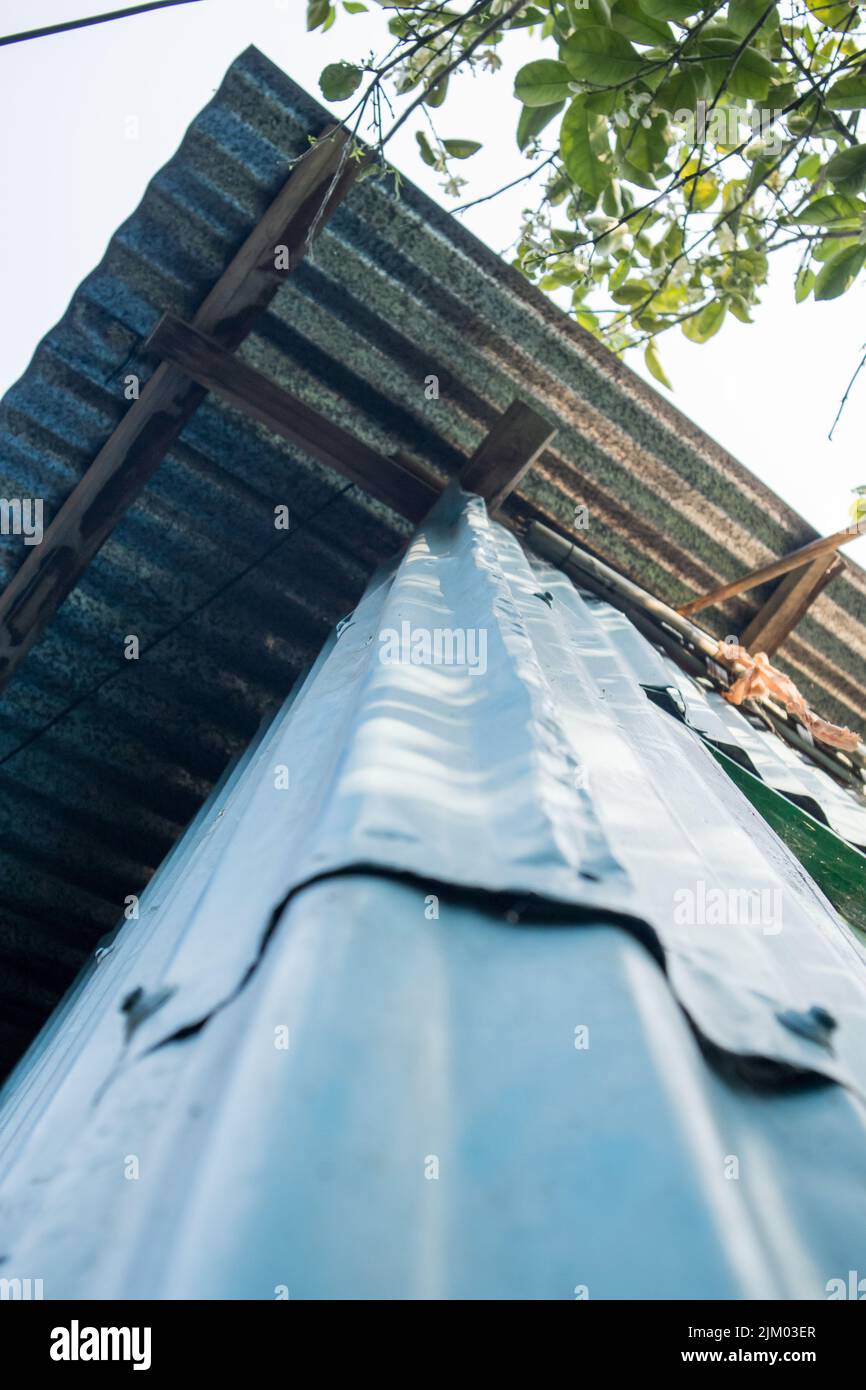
x=315 y=187
x=425 y=471
x=797 y=558
x=199 y=357
x=507 y=454
x=788 y=603
x=408 y=486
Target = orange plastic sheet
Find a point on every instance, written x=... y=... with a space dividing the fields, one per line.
x=759 y=680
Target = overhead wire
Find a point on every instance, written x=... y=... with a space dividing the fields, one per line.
x=69 y=24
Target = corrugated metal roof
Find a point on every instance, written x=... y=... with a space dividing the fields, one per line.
x=395 y=290
x=509 y=1069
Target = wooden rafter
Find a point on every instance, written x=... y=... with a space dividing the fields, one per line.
x=825 y=545
x=205 y=362
x=406 y=485
x=788 y=603
x=317 y=184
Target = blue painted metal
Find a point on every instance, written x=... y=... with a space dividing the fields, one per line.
x=770 y=758
x=510 y=1070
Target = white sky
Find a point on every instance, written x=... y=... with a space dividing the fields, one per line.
x=69 y=176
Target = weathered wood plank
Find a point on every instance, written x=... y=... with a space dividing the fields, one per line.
x=506 y=455
x=200 y=358
x=787 y=604
x=135 y=449
x=825 y=545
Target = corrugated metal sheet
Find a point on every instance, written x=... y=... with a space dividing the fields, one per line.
x=396 y=290
x=509 y=1071
x=770 y=758
x=741 y=735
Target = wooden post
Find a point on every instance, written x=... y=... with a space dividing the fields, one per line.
x=506 y=455
x=783 y=610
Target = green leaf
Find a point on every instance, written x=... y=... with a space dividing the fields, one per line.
x=527 y=17
x=633 y=174
x=533 y=120
x=701 y=192
x=620 y=275
x=700 y=189
x=578 y=139
x=830 y=210
x=783 y=94
x=645 y=147
x=462 y=149
x=847 y=169
x=654 y=366
x=558 y=189
x=743 y=15
x=566 y=274
x=848 y=94
x=744 y=74
x=677 y=10
x=567 y=238
x=836 y=16
x=831 y=246
x=761 y=170
x=669 y=300
x=629 y=17
x=543 y=83
x=678 y=93
x=808 y=166
x=603 y=103
x=739 y=308
x=602 y=56
x=354 y=7
x=673 y=241
x=583 y=12
x=806 y=119
x=339 y=81
x=717 y=29
x=733 y=193
x=317 y=12
x=803 y=285
x=839 y=273
x=632 y=292
x=424 y=147
x=437 y=94
x=611 y=200
x=706 y=323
